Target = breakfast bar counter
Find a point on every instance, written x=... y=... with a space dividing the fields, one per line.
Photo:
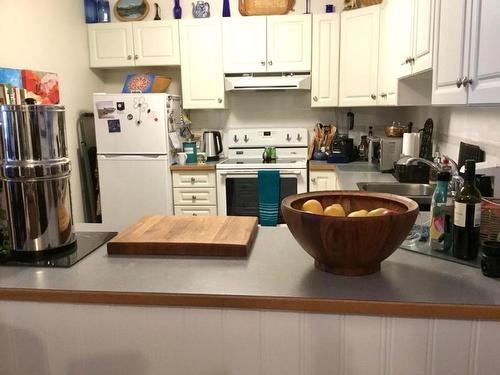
x=278 y=275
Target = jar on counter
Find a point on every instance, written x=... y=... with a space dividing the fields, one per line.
x=363 y=148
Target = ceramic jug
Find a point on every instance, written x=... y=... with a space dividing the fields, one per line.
x=201 y=9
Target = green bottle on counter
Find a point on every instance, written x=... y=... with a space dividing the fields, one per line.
x=467 y=217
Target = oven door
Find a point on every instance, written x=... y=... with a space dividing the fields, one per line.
x=237 y=191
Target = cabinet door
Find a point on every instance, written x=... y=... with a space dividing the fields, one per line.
x=325 y=60
x=359 y=37
x=422 y=37
x=244 y=44
x=156 y=43
x=451 y=51
x=401 y=22
x=110 y=45
x=484 y=67
x=201 y=63
x=289 y=43
x=324 y=180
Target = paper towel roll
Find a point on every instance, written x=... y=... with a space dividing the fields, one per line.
x=411 y=144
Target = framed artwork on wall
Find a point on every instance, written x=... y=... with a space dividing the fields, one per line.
x=131 y=10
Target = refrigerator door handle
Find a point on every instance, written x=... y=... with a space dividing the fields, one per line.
x=132 y=157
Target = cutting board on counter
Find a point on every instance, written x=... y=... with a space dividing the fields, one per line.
x=230 y=236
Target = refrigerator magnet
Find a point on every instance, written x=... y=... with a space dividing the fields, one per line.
x=105 y=109
x=114 y=126
x=120 y=106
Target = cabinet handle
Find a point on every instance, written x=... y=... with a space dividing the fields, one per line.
x=459 y=82
x=136 y=57
x=313 y=180
x=466 y=81
x=193 y=180
x=383 y=95
x=315 y=98
x=270 y=63
x=129 y=57
x=193 y=197
x=263 y=63
x=373 y=96
x=195 y=214
x=219 y=100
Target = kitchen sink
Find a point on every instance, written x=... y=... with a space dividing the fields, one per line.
x=420 y=193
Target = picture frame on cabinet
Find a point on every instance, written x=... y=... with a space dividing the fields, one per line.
x=131 y=10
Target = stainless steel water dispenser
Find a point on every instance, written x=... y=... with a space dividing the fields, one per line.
x=35 y=171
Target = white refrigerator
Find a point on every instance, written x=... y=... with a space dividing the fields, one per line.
x=133 y=155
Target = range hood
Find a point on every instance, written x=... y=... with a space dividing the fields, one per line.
x=268 y=81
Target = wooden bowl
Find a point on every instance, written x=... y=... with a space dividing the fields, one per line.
x=350 y=246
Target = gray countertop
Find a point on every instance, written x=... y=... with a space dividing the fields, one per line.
x=276 y=268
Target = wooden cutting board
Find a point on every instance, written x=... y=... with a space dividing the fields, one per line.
x=230 y=236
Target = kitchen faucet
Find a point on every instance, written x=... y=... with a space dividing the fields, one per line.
x=456 y=180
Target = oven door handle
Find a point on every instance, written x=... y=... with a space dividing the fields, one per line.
x=282 y=172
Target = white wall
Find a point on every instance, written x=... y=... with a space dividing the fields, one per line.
x=50 y=35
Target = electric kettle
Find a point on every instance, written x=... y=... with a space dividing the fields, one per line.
x=212 y=144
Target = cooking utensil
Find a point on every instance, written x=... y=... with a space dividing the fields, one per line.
x=426 y=139
x=187 y=235
x=212 y=144
x=395 y=130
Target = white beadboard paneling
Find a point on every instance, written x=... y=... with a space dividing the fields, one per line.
x=281 y=343
x=322 y=341
x=363 y=342
x=408 y=343
x=204 y=341
x=451 y=352
x=488 y=350
x=242 y=342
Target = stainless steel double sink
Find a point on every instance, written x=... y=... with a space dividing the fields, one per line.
x=420 y=193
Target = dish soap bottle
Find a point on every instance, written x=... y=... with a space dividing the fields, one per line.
x=467 y=218
x=441 y=225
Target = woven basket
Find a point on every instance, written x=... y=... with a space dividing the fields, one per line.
x=265 y=7
x=367 y=3
x=490 y=219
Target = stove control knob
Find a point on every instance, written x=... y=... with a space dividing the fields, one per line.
x=235 y=138
x=299 y=137
x=288 y=137
x=246 y=139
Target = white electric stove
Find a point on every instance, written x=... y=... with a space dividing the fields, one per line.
x=237 y=185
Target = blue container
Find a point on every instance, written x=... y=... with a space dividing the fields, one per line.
x=226 y=9
x=190 y=149
x=177 y=10
x=90 y=11
x=103 y=12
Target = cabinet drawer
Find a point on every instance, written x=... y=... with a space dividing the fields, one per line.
x=195 y=210
x=193 y=179
x=195 y=196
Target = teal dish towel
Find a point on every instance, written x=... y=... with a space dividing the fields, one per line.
x=269 y=197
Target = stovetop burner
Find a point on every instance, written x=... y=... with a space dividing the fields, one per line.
x=86 y=243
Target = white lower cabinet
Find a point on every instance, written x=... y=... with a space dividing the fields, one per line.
x=323 y=180
x=194 y=193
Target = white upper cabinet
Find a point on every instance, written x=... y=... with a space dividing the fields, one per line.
x=201 y=63
x=111 y=45
x=325 y=60
x=484 y=68
x=451 y=51
x=244 y=42
x=289 y=43
x=134 y=44
x=359 y=42
x=156 y=43
x=415 y=36
x=267 y=44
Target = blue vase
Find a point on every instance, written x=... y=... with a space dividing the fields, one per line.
x=90 y=11
x=226 y=9
x=103 y=13
x=177 y=10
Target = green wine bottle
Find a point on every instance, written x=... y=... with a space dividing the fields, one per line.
x=467 y=217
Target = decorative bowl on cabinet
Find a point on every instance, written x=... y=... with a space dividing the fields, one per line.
x=350 y=246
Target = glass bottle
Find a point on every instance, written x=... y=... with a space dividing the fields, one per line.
x=226 y=9
x=177 y=10
x=467 y=217
x=363 y=148
x=90 y=11
x=441 y=225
